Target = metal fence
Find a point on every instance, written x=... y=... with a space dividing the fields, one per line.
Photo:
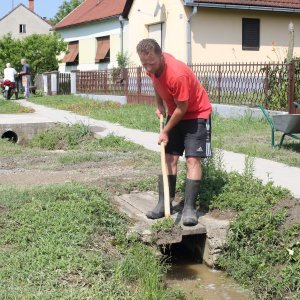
x=275 y=85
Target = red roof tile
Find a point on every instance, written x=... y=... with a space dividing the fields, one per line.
x=270 y=3
x=92 y=10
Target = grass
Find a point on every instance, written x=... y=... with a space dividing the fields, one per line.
x=67 y=242
x=54 y=244
x=244 y=135
x=9 y=107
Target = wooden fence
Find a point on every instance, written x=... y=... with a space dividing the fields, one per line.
x=64 y=84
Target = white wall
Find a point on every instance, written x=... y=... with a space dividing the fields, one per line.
x=21 y=15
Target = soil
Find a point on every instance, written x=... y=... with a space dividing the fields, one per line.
x=111 y=171
x=40 y=170
x=292 y=207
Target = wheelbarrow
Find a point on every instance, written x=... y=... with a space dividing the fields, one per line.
x=288 y=124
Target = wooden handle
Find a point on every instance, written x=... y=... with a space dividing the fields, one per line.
x=164 y=173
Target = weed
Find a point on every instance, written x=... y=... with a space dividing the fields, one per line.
x=61 y=137
x=163 y=225
x=132 y=269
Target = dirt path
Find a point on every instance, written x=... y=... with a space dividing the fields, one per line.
x=46 y=169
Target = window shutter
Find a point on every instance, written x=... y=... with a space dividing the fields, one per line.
x=250 y=33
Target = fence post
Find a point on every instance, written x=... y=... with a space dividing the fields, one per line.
x=73 y=82
x=139 y=82
x=54 y=82
x=219 y=83
x=125 y=80
x=45 y=81
x=266 y=86
x=291 y=87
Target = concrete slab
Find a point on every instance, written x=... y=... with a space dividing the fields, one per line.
x=135 y=206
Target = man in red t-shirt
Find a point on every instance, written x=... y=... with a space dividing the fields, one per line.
x=188 y=123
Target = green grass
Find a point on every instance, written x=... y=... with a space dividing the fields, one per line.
x=55 y=244
x=245 y=135
x=9 y=107
x=67 y=242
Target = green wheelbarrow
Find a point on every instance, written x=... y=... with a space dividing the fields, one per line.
x=288 y=124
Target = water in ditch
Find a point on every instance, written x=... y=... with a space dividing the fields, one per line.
x=200 y=282
x=188 y=273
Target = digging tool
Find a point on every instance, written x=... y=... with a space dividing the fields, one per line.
x=164 y=173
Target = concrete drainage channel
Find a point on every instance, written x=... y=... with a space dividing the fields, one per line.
x=21 y=132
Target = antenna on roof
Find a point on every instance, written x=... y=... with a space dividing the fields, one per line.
x=12 y=4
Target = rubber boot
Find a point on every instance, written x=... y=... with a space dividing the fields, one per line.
x=159 y=210
x=189 y=213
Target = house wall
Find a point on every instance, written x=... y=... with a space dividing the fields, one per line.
x=86 y=34
x=217 y=36
x=171 y=14
x=21 y=15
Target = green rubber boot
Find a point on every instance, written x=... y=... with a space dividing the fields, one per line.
x=159 y=210
x=189 y=213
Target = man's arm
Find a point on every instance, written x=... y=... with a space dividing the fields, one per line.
x=160 y=108
x=177 y=115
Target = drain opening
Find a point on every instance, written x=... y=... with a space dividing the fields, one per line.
x=189 y=250
x=10 y=136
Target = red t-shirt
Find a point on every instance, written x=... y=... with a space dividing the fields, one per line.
x=178 y=82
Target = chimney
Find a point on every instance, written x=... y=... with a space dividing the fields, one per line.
x=31 y=5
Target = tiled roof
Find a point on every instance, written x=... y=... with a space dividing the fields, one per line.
x=92 y=10
x=294 y=4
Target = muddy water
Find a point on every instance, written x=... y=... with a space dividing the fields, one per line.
x=200 y=282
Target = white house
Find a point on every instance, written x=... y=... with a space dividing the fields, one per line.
x=23 y=21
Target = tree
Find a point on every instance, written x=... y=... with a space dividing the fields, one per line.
x=65 y=9
x=40 y=51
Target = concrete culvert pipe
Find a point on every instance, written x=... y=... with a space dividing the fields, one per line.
x=10 y=135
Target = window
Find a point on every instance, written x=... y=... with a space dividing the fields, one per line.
x=22 y=28
x=103 y=50
x=250 y=31
x=155 y=32
x=72 y=55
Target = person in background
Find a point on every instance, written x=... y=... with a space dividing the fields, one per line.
x=25 y=77
x=187 y=128
x=9 y=73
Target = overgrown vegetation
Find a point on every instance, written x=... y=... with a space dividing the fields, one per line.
x=67 y=242
x=277 y=82
x=40 y=51
x=263 y=247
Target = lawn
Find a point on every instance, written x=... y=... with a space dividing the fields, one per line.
x=244 y=135
x=9 y=107
x=66 y=241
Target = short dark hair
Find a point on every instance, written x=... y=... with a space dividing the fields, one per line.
x=147 y=45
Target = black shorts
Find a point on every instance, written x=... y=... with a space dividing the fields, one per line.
x=192 y=136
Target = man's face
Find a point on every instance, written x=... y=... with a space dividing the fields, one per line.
x=153 y=63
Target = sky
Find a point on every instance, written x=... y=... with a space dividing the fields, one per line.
x=44 y=8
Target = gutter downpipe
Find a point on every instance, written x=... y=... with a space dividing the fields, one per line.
x=188 y=35
x=121 y=19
